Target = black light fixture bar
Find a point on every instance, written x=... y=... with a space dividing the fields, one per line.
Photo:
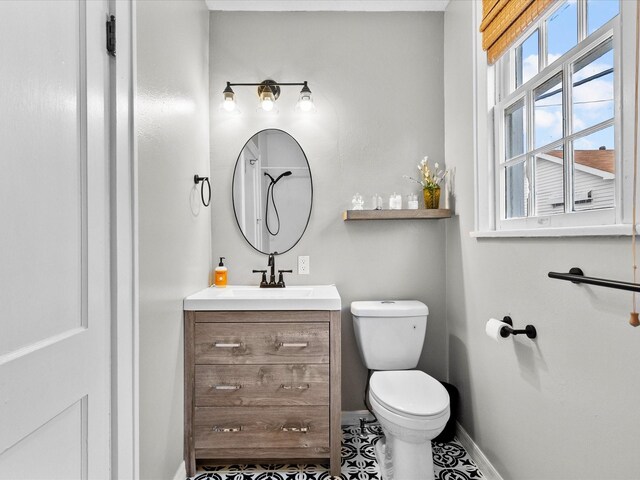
x=268 y=93
x=275 y=84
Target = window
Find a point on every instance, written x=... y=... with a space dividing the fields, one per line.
x=556 y=157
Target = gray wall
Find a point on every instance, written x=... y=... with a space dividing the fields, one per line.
x=566 y=405
x=174 y=230
x=377 y=80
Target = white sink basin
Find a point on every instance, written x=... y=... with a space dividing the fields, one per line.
x=242 y=297
x=253 y=292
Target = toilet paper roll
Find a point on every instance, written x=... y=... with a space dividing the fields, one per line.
x=493 y=328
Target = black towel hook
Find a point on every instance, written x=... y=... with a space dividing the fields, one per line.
x=197 y=178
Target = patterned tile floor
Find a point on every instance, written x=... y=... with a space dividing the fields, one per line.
x=450 y=460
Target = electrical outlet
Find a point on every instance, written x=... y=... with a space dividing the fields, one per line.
x=303 y=265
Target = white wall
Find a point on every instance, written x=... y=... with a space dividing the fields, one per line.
x=174 y=229
x=377 y=80
x=566 y=405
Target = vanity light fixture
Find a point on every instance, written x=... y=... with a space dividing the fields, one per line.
x=268 y=93
x=305 y=101
x=229 y=103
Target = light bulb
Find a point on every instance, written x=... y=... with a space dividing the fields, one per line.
x=229 y=104
x=305 y=104
x=267 y=104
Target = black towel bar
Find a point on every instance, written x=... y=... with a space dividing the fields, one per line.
x=576 y=275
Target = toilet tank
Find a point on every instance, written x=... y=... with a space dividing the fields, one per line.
x=390 y=334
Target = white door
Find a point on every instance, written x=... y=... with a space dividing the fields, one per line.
x=54 y=241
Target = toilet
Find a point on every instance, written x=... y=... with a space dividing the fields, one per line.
x=411 y=406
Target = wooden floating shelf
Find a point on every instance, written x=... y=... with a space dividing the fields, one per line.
x=420 y=214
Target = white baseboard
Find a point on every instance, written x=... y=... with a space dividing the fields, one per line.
x=352 y=417
x=483 y=463
x=181 y=473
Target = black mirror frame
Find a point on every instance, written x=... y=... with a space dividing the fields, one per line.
x=233 y=202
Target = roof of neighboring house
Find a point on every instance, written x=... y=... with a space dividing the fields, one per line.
x=599 y=159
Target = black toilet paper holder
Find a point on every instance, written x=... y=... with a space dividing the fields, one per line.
x=529 y=330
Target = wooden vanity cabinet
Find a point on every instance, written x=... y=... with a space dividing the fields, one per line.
x=262 y=386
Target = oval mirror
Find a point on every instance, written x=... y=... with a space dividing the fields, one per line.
x=272 y=191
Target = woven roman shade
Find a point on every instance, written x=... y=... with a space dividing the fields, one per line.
x=504 y=20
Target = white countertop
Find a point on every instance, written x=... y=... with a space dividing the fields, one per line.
x=243 y=297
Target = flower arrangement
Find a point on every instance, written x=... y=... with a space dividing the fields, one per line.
x=429 y=179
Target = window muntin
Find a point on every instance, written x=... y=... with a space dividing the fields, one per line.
x=553 y=114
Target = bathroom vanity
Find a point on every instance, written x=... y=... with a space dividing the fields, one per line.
x=262 y=376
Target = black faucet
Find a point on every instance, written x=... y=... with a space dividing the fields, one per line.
x=281 y=277
x=272 y=277
x=272 y=264
x=263 y=281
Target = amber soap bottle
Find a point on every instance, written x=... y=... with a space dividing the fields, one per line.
x=220 y=275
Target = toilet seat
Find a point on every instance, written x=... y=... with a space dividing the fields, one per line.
x=410 y=393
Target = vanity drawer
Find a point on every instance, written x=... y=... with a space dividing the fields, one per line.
x=263 y=316
x=247 y=385
x=256 y=427
x=261 y=343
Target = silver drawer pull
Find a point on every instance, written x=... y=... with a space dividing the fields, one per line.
x=227 y=429
x=303 y=386
x=295 y=429
x=227 y=387
x=227 y=345
x=293 y=345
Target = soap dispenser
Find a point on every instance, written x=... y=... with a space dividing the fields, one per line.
x=220 y=274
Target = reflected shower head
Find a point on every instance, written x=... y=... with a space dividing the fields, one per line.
x=285 y=174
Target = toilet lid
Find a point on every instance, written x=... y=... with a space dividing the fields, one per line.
x=409 y=391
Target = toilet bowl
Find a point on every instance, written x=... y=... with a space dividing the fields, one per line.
x=411 y=406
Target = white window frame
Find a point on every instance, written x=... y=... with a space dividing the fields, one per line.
x=489 y=132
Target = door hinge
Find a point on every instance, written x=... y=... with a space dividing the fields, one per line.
x=111 y=35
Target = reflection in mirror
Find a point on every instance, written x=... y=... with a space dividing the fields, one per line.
x=272 y=191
